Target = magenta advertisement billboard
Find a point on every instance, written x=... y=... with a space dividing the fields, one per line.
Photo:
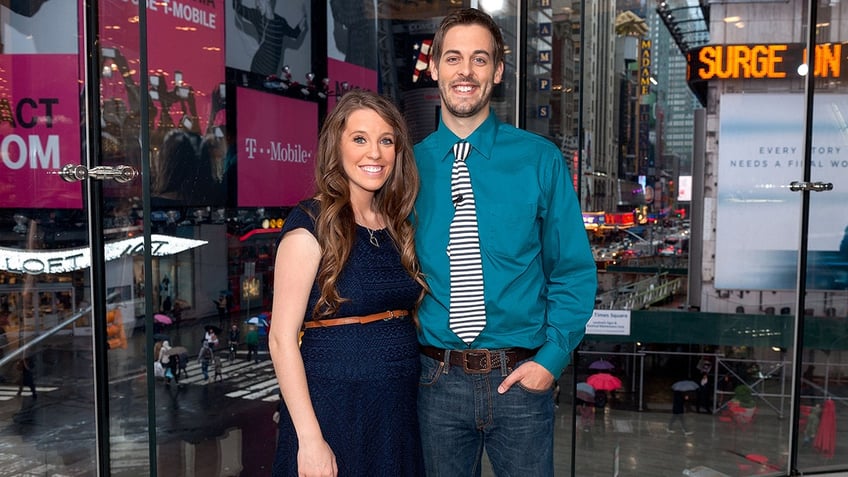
x=39 y=131
x=186 y=96
x=277 y=140
x=40 y=113
x=39 y=105
x=345 y=76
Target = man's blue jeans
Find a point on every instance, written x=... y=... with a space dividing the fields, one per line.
x=462 y=414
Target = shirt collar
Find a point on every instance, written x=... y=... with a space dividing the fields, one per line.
x=482 y=139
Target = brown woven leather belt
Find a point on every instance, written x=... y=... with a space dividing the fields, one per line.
x=479 y=360
x=353 y=320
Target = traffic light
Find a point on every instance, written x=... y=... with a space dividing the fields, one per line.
x=116 y=337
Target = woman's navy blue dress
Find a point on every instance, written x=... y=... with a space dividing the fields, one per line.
x=363 y=379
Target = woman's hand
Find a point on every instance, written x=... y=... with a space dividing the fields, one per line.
x=316 y=459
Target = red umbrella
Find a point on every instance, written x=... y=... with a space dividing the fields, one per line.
x=604 y=382
x=826 y=435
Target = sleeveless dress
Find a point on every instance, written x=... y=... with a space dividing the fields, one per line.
x=363 y=379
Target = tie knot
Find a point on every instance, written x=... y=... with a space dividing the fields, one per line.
x=461 y=150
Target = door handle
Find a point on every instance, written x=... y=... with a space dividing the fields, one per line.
x=78 y=172
x=796 y=186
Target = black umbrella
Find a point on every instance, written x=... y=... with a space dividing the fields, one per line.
x=161 y=337
x=214 y=328
x=685 y=386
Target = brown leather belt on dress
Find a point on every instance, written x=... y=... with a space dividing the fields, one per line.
x=353 y=320
x=479 y=360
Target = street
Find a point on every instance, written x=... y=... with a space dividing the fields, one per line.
x=203 y=428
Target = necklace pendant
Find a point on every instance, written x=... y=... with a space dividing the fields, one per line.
x=372 y=238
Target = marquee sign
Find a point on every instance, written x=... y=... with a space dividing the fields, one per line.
x=67 y=260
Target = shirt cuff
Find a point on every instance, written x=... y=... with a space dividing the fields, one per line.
x=553 y=358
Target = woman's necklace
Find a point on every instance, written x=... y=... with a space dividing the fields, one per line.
x=372 y=238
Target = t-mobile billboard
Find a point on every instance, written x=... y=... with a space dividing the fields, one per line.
x=39 y=105
x=276 y=145
x=39 y=132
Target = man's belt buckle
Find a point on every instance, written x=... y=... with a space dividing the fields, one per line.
x=481 y=356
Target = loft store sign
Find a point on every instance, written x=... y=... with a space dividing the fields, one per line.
x=68 y=260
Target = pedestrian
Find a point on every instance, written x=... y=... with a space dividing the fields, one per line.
x=812 y=426
x=174 y=366
x=169 y=362
x=702 y=398
x=725 y=387
x=252 y=342
x=222 y=306
x=4 y=341
x=233 y=340
x=27 y=370
x=205 y=356
x=219 y=371
x=211 y=338
x=678 y=409
x=532 y=286
x=345 y=257
x=182 y=365
x=177 y=313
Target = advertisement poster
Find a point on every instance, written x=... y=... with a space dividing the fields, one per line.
x=186 y=93
x=344 y=77
x=352 y=32
x=277 y=141
x=39 y=132
x=263 y=36
x=761 y=152
x=39 y=106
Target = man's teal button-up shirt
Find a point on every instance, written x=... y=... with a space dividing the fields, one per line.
x=540 y=277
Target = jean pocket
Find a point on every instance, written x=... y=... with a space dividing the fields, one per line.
x=539 y=392
x=430 y=371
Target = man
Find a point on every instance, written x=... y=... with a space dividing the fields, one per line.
x=495 y=390
x=252 y=341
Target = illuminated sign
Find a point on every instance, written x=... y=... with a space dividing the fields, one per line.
x=770 y=61
x=645 y=68
x=68 y=260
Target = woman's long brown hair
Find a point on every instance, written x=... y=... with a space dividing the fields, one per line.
x=335 y=224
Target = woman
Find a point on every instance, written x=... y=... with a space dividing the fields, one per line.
x=345 y=258
x=168 y=364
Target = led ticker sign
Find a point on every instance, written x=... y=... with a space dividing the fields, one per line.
x=761 y=61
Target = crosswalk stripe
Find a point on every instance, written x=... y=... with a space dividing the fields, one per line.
x=11 y=392
x=258 y=379
x=257 y=390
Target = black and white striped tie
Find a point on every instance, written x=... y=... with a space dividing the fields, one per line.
x=467 y=308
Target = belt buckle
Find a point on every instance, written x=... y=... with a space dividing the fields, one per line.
x=391 y=315
x=487 y=358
